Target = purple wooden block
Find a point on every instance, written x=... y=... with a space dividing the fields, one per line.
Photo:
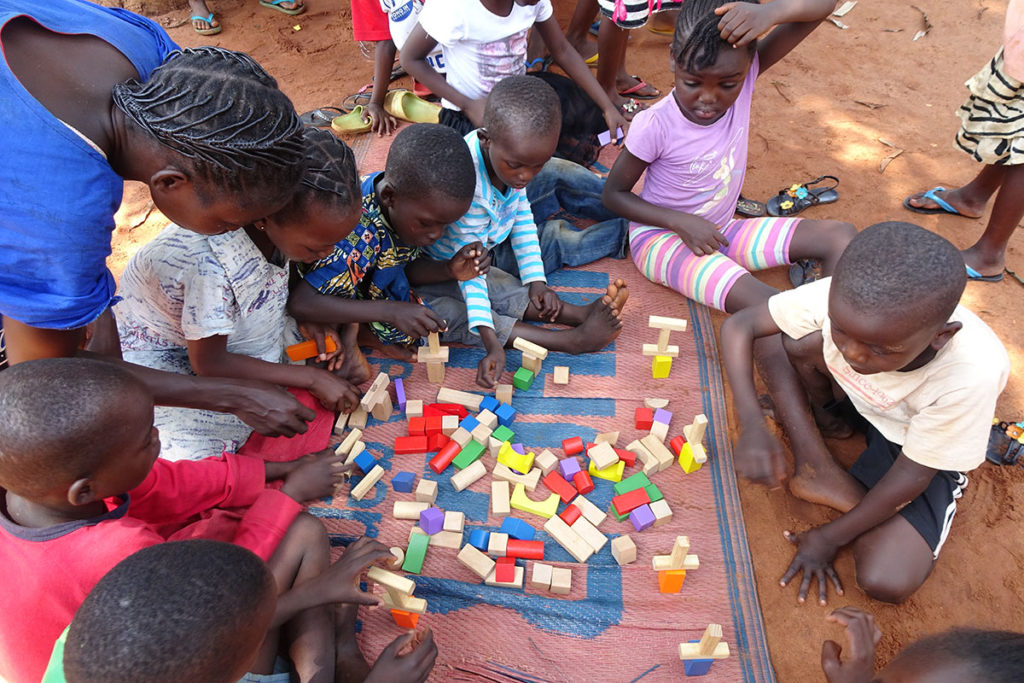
x=642 y=517
x=518 y=448
x=399 y=393
x=432 y=520
x=663 y=416
x=569 y=467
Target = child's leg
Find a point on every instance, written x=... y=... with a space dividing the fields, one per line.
x=350 y=666
x=971 y=199
x=579 y=26
x=611 y=48
x=396 y=351
x=594 y=325
x=823 y=240
x=566 y=186
x=198 y=8
x=987 y=255
x=562 y=244
x=304 y=552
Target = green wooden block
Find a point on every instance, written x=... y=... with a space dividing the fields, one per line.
x=632 y=483
x=503 y=433
x=468 y=455
x=653 y=492
x=523 y=379
x=616 y=515
x=416 y=553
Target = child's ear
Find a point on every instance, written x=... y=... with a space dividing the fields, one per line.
x=81 y=492
x=168 y=180
x=484 y=137
x=386 y=194
x=945 y=333
x=671 y=63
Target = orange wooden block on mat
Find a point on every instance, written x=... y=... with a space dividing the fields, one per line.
x=671 y=581
x=405 y=619
x=307 y=349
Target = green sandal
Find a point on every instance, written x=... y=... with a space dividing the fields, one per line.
x=351 y=123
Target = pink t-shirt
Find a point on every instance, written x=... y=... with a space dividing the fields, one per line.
x=692 y=168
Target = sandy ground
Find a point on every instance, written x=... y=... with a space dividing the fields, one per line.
x=807 y=121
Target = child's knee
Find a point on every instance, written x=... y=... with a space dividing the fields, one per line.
x=308 y=531
x=882 y=584
x=839 y=234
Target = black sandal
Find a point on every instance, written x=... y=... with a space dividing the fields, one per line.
x=751 y=208
x=322 y=117
x=796 y=198
x=1004 y=446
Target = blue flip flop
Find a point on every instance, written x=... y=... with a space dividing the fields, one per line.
x=276 y=4
x=943 y=205
x=972 y=274
x=212 y=31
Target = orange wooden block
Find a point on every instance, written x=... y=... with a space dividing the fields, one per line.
x=307 y=349
x=670 y=581
x=409 y=619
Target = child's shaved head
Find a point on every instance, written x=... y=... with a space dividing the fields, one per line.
x=521 y=107
x=430 y=159
x=902 y=272
x=61 y=419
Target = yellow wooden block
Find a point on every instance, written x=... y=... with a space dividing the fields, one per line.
x=691 y=457
x=661 y=366
x=519 y=462
x=613 y=473
x=542 y=508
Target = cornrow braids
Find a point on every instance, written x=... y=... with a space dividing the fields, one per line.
x=697 y=40
x=330 y=178
x=220 y=110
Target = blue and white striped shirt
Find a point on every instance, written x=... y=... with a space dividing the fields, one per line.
x=493 y=217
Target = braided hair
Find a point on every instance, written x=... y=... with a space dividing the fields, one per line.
x=330 y=178
x=697 y=40
x=220 y=110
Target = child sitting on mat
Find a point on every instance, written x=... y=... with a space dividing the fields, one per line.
x=920 y=374
x=205 y=611
x=521 y=125
x=214 y=305
x=82 y=487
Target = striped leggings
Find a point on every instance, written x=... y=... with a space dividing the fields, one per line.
x=754 y=244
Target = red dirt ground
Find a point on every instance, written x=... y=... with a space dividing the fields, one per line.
x=807 y=122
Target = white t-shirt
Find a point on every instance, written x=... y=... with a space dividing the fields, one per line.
x=941 y=413
x=480 y=48
x=402 y=17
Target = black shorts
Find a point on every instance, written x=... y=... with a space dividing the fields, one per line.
x=931 y=513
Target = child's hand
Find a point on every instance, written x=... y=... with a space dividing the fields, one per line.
x=340 y=582
x=490 y=367
x=758 y=456
x=414 y=666
x=744 y=22
x=863 y=636
x=470 y=261
x=415 y=319
x=544 y=299
x=314 y=476
x=702 y=237
x=333 y=392
x=814 y=557
x=475 y=111
x=618 y=126
x=381 y=122
x=319 y=332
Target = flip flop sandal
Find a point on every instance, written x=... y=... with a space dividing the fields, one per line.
x=351 y=122
x=593 y=60
x=360 y=98
x=404 y=105
x=634 y=91
x=322 y=117
x=751 y=208
x=804 y=271
x=212 y=31
x=1004 y=444
x=972 y=274
x=543 y=62
x=397 y=71
x=796 y=198
x=943 y=205
x=276 y=4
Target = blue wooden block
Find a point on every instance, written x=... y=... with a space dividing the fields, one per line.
x=517 y=528
x=506 y=414
x=399 y=393
x=696 y=667
x=403 y=482
x=469 y=423
x=365 y=461
x=489 y=403
x=479 y=539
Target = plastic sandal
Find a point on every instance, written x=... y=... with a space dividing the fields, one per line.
x=1005 y=445
x=634 y=91
x=796 y=198
x=276 y=4
x=351 y=123
x=751 y=208
x=403 y=104
x=322 y=117
x=212 y=31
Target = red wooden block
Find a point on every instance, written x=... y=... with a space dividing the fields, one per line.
x=405 y=619
x=433 y=424
x=442 y=409
x=627 y=502
x=628 y=457
x=445 y=456
x=436 y=442
x=526 y=550
x=644 y=418
x=582 y=481
x=417 y=426
x=505 y=569
x=410 y=444
x=573 y=446
x=570 y=514
x=676 y=444
x=557 y=484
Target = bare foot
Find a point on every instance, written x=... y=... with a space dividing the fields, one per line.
x=984 y=263
x=290 y=5
x=955 y=198
x=602 y=324
x=355 y=368
x=826 y=484
x=199 y=9
x=587 y=50
x=619 y=294
x=630 y=85
x=350 y=666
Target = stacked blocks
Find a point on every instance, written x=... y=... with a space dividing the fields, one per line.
x=663 y=353
x=698 y=655
x=435 y=356
x=672 y=568
x=533 y=355
x=522 y=379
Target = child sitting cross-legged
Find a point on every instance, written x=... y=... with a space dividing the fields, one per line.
x=919 y=375
x=214 y=305
x=521 y=125
x=82 y=487
x=208 y=612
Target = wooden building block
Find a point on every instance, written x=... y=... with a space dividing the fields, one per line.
x=486 y=417
x=340 y=423
x=650 y=463
x=370 y=480
x=671 y=580
x=610 y=438
x=659 y=430
x=613 y=473
x=497 y=544
x=357 y=418
x=375 y=392
x=463 y=398
x=414 y=408
x=425 y=355
x=357 y=448
x=449 y=423
x=398 y=555
x=671 y=350
x=659 y=450
x=561 y=374
x=680 y=548
x=481 y=433
x=415 y=553
x=540 y=578
x=589 y=533
x=305 y=350
x=466 y=477
x=623 y=549
x=602 y=455
x=662 y=323
x=655 y=403
x=523 y=378
x=454 y=520
x=406 y=603
x=408 y=509
x=533 y=364
x=662 y=563
x=500 y=494
x=404 y=619
x=661 y=366
x=476 y=561
x=503 y=392
x=561 y=580
x=529 y=480
x=517 y=582
x=662 y=512
x=426 y=491
x=528 y=347
x=694 y=432
x=435 y=372
x=542 y=508
x=461 y=437
x=546 y=461
x=710 y=645
x=393 y=582
x=345 y=447
x=442 y=539
x=518 y=462
x=563 y=534
x=594 y=514
x=692 y=457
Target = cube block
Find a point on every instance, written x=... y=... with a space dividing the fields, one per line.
x=403 y=482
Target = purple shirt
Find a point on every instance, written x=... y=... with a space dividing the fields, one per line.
x=692 y=168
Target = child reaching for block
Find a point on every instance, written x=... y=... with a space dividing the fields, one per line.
x=214 y=305
x=82 y=488
x=521 y=124
x=920 y=374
